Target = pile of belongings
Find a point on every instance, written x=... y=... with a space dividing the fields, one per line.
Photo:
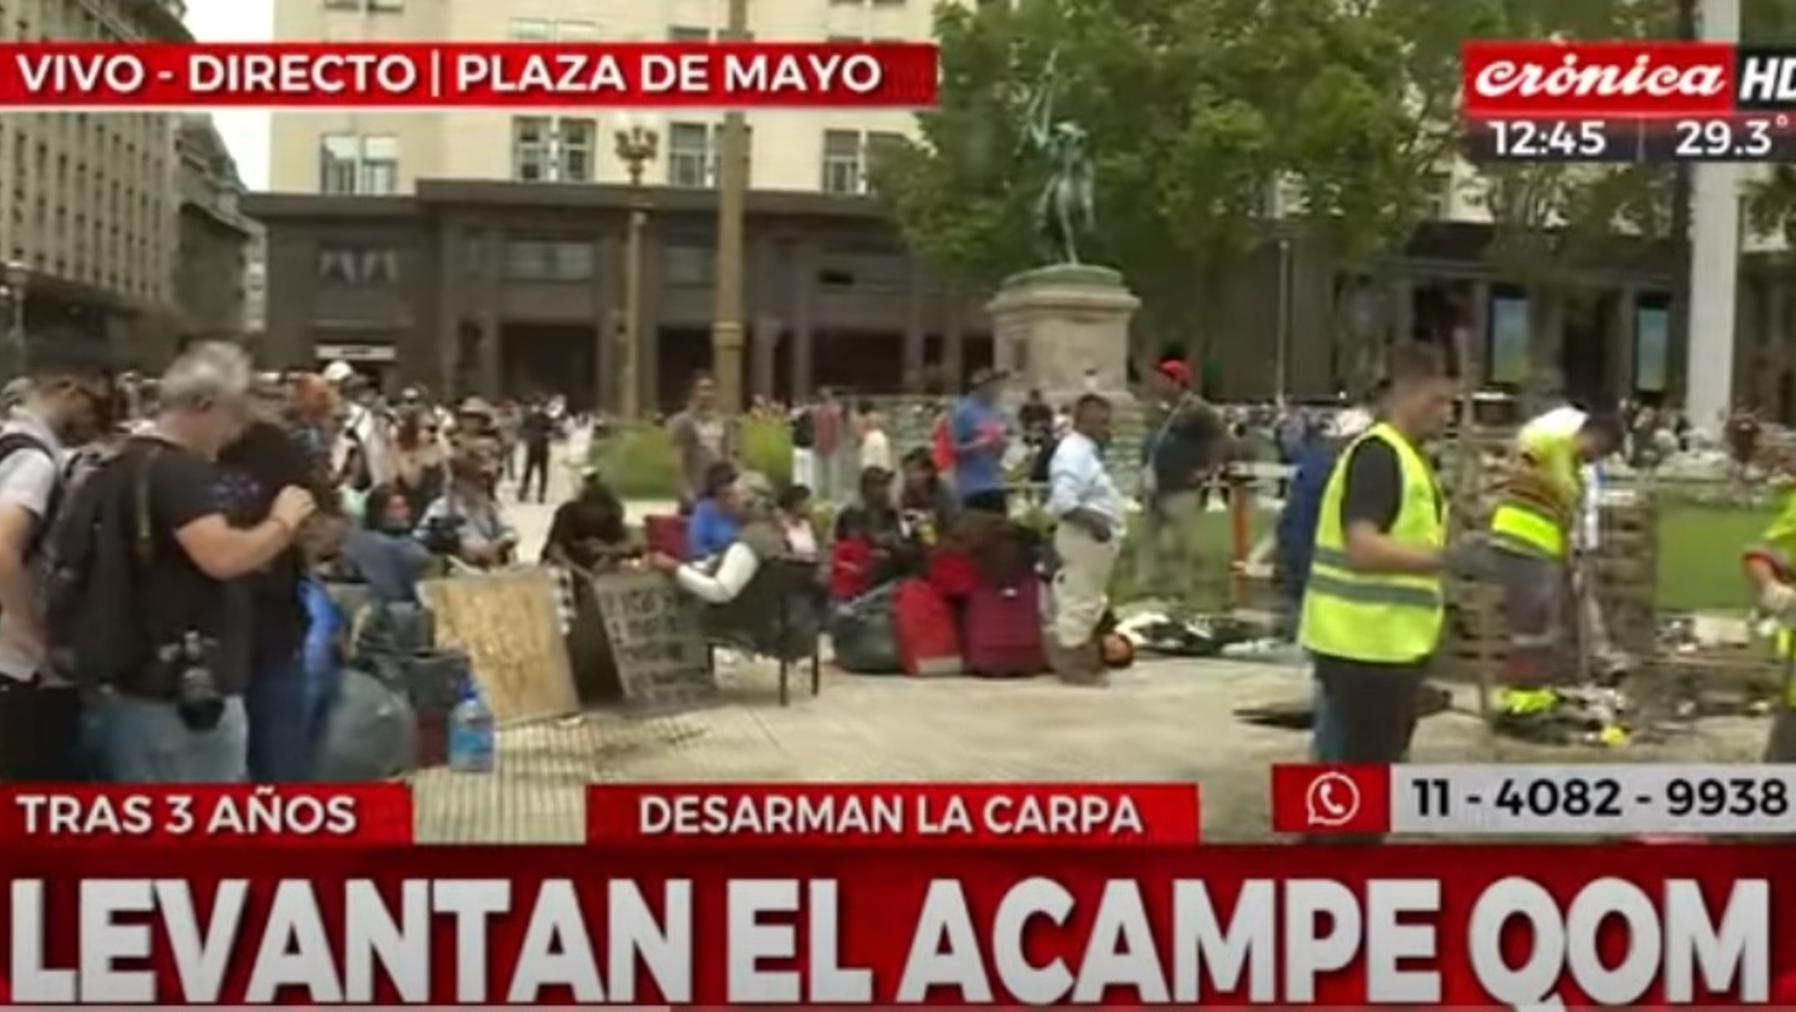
x=1565 y=715
x=1159 y=633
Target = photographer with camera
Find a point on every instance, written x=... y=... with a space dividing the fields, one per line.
x=466 y=523
x=150 y=608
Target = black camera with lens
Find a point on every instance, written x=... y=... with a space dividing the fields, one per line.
x=189 y=665
x=442 y=535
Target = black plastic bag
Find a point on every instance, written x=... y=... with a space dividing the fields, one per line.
x=864 y=632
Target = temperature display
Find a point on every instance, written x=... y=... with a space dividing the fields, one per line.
x=1748 y=138
x=1721 y=139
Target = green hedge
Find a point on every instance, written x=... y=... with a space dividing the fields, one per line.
x=642 y=463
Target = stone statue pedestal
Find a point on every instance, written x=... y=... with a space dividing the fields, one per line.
x=1065 y=331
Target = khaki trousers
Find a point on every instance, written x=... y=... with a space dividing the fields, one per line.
x=1082 y=587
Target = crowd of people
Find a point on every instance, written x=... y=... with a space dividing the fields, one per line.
x=163 y=543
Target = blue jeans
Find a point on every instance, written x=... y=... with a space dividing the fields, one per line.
x=282 y=746
x=1326 y=745
x=143 y=741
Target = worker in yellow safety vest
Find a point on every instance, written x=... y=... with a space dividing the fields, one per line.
x=1373 y=606
x=1534 y=531
x=1771 y=569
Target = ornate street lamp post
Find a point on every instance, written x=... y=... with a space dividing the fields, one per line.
x=637 y=145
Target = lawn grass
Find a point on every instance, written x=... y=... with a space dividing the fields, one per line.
x=1699 y=555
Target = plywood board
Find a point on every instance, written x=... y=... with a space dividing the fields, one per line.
x=510 y=626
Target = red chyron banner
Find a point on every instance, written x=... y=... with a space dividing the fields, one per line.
x=477 y=75
x=828 y=816
x=358 y=815
x=1595 y=79
x=1428 y=925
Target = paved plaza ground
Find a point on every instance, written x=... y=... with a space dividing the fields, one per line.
x=1165 y=720
x=1162 y=721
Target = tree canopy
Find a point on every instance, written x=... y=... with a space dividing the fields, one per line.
x=1201 y=111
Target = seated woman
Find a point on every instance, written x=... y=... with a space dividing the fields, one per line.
x=925 y=504
x=711 y=529
x=383 y=554
x=465 y=523
x=795 y=520
x=589 y=533
x=851 y=559
x=748 y=603
x=875 y=524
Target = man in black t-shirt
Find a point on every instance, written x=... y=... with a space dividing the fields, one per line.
x=180 y=719
x=252 y=471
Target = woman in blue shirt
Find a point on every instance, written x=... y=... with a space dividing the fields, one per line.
x=712 y=528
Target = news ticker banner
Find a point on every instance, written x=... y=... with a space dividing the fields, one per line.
x=859 y=894
x=441 y=75
x=1592 y=800
x=1428 y=925
x=1628 y=101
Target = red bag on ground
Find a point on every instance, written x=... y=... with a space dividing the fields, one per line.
x=953 y=574
x=928 y=643
x=1003 y=630
x=666 y=534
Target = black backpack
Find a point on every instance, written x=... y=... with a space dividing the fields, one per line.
x=98 y=549
x=804 y=430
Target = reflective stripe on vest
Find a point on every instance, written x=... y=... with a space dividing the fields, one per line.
x=1388 y=618
x=1527 y=531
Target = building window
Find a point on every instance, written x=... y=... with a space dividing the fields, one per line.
x=548 y=260
x=842 y=168
x=685 y=33
x=368 y=165
x=380 y=164
x=688 y=264
x=338 y=155
x=358 y=265
x=545 y=149
x=689 y=155
x=544 y=30
x=1436 y=195
x=574 y=138
x=530 y=148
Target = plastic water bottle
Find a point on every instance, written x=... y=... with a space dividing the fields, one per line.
x=473 y=737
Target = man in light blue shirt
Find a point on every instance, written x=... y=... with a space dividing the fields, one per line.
x=980 y=439
x=1089 y=510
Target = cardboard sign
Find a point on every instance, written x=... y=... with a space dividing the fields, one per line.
x=509 y=624
x=656 y=640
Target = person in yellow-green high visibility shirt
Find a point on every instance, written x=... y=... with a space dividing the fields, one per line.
x=1374 y=603
x=1534 y=531
x=1770 y=564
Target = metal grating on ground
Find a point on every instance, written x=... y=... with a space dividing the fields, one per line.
x=1169 y=720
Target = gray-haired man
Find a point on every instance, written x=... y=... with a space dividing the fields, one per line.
x=159 y=722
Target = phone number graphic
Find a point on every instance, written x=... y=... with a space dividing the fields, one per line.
x=1599 y=799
